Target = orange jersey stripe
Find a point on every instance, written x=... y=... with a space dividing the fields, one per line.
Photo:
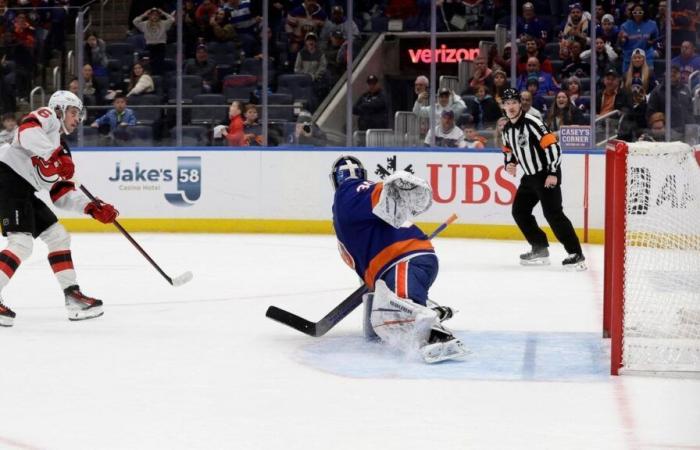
x=376 y=193
x=391 y=253
x=401 y=275
x=547 y=140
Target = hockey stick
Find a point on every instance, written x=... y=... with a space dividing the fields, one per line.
x=177 y=281
x=338 y=313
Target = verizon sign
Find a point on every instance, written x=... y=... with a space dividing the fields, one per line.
x=442 y=55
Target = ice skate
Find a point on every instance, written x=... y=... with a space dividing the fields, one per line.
x=442 y=346
x=80 y=306
x=7 y=316
x=538 y=256
x=574 y=262
x=444 y=312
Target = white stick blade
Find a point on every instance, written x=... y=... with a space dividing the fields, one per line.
x=182 y=279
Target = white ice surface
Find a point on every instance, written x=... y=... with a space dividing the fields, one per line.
x=200 y=367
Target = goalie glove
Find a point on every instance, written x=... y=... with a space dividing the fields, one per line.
x=403 y=197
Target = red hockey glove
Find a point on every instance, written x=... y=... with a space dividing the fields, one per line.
x=62 y=163
x=103 y=212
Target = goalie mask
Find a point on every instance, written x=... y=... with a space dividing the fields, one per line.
x=60 y=101
x=347 y=167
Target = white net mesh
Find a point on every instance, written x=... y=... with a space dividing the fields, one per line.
x=662 y=259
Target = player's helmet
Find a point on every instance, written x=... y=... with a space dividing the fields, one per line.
x=61 y=101
x=510 y=94
x=347 y=167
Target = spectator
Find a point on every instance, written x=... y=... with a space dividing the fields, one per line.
x=638 y=33
x=9 y=126
x=118 y=117
x=336 y=55
x=563 y=112
x=488 y=111
x=500 y=82
x=246 y=24
x=338 y=22
x=140 y=82
x=688 y=61
x=639 y=73
x=657 y=129
x=252 y=130
x=234 y=134
x=446 y=100
x=446 y=133
x=273 y=52
x=547 y=84
x=222 y=30
x=93 y=93
x=154 y=24
x=501 y=62
x=74 y=86
x=532 y=50
x=573 y=90
x=483 y=76
x=306 y=18
x=201 y=65
x=538 y=102
x=605 y=56
x=96 y=53
x=632 y=123
x=526 y=102
x=372 y=108
x=190 y=28
x=205 y=11
x=23 y=41
x=577 y=24
x=681 y=100
x=307 y=132
x=574 y=66
x=607 y=30
x=310 y=59
x=611 y=98
x=530 y=25
x=420 y=87
x=472 y=139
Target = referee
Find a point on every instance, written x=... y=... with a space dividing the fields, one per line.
x=528 y=143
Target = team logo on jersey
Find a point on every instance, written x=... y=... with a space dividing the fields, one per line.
x=44 y=171
x=391 y=167
x=189 y=181
x=522 y=141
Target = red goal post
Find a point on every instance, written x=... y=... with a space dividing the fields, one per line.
x=651 y=308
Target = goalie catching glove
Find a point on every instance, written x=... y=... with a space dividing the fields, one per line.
x=101 y=211
x=403 y=197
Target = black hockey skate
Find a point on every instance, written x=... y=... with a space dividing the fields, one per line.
x=574 y=261
x=442 y=346
x=538 y=256
x=443 y=312
x=7 y=316
x=80 y=306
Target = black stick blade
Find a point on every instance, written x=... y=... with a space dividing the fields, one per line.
x=291 y=320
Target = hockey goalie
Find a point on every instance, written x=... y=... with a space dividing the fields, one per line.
x=394 y=258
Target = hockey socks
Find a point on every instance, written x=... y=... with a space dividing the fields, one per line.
x=62 y=265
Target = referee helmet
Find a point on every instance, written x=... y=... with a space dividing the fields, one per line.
x=510 y=94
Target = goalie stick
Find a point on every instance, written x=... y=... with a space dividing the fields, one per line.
x=317 y=329
x=177 y=281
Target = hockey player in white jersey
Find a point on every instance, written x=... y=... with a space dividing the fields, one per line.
x=35 y=160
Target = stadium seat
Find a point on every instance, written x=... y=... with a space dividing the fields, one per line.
x=299 y=85
x=207 y=115
x=192 y=135
x=223 y=53
x=148 y=116
x=279 y=99
x=252 y=66
x=191 y=86
x=138 y=41
x=140 y=136
x=238 y=87
x=280 y=112
x=121 y=51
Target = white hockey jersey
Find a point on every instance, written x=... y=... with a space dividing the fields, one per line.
x=35 y=140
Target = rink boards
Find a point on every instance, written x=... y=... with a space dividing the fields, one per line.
x=288 y=190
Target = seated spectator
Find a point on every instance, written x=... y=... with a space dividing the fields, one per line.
x=96 y=53
x=482 y=76
x=563 y=112
x=273 y=52
x=154 y=24
x=93 y=93
x=605 y=57
x=246 y=23
x=446 y=100
x=465 y=15
x=307 y=132
x=201 y=65
x=118 y=117
x=336 y=55
x=681 y=101
x=372 y=108
x=311 y=59
x=501 y=62
x=573 y=90
x=577 y=24
x=306 y=18
x=21 y=38
x=526 y=102
x=547 y=84
x=632 y=123
x=657 y=130
x=472 y=139
x=488 y=110
x=638 y=33
x=9 y=126
x=140 y=82
x=222 y=30
x=532 y=50
x=639 y=73
x=530 y=25
x=338 y=22
x=688 y=61
x=538 y=102
x=447 y=134
x=607 y=30
x=574 y=65
x=205 y=11
x=611 y=97
x=500 y=82
x=234 y=134
x=252 y=130
x=74 y=85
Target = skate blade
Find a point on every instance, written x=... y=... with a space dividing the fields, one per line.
x=6 y=321
x=578 y=267
x=535 y=262
x=91 y=313
x=441 y=351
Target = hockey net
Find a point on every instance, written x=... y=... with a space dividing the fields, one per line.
x=652 y=257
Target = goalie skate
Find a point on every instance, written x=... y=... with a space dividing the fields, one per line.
x=535 y=257
x=7 y=316
x=443 y=346
x=80 y=306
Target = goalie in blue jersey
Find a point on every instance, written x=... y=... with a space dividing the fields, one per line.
x=394 y=258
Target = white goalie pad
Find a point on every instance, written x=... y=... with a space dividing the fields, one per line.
x=400 y=323
x=403 y=197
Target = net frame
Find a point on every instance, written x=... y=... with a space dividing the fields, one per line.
x=673 y=333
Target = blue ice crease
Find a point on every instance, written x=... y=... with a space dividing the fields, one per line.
x=495 y=355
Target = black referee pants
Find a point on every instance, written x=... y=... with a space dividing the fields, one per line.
x=530 y=192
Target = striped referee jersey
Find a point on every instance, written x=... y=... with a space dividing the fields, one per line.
x=529 y=143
